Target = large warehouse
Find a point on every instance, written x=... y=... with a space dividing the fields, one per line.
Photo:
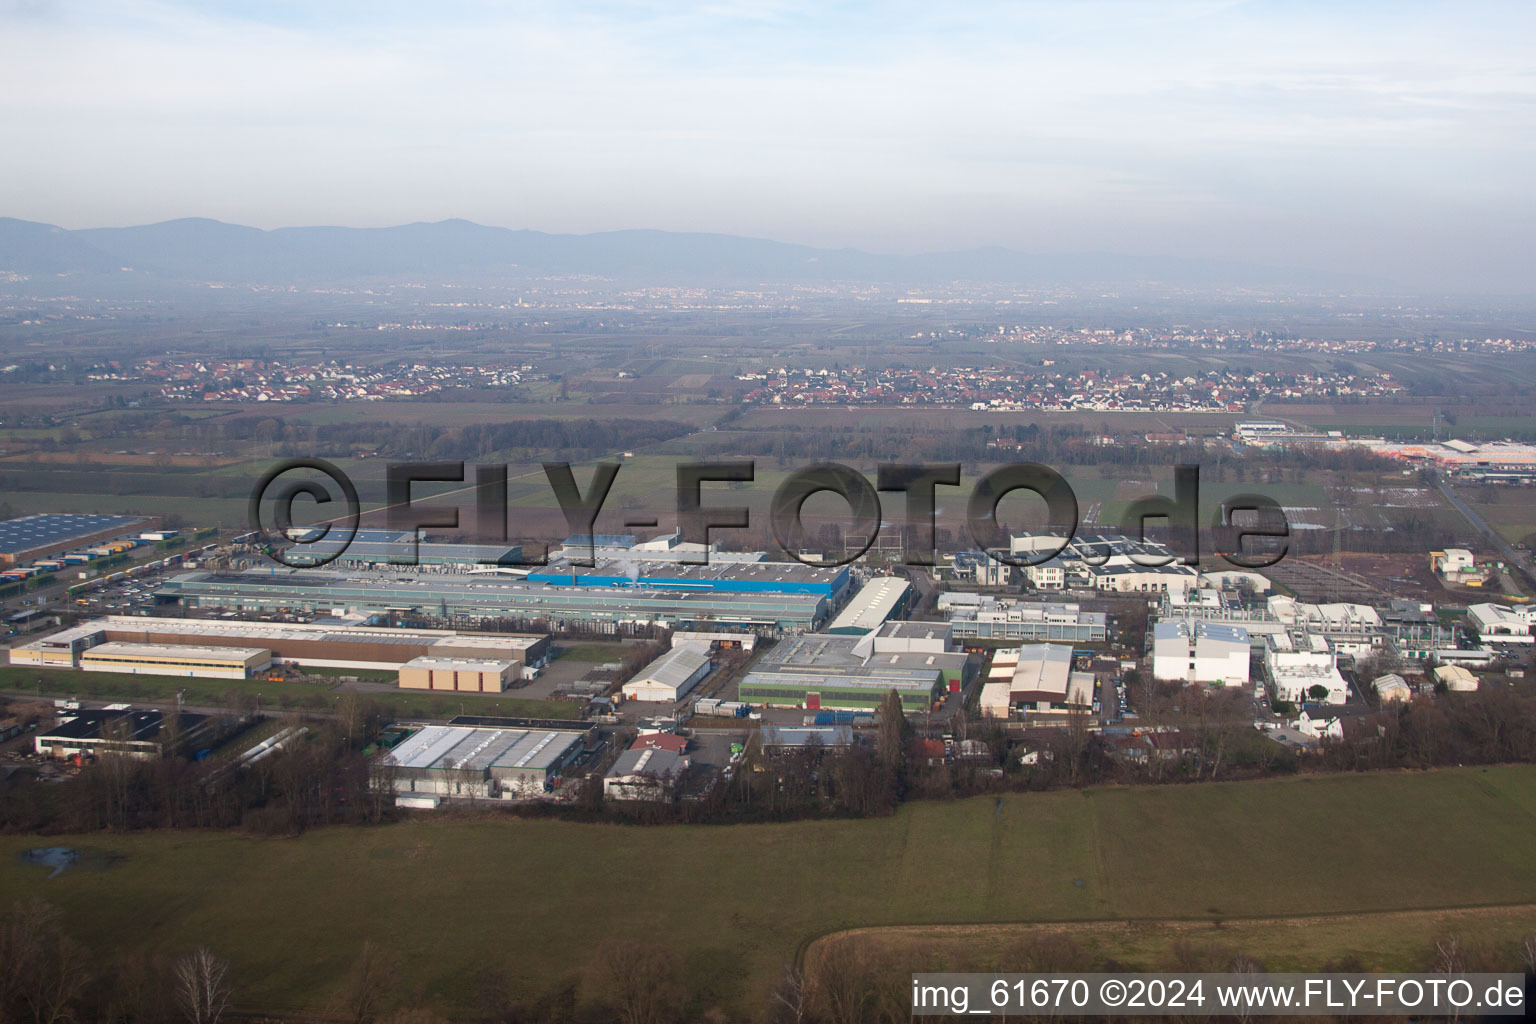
x=399 y=547
x=49 y=533
x=482 y=762
x=163 y=660
x=321 y=645
x=487 y=596
x=722 y=577
x=875 y=603
x=669 y=678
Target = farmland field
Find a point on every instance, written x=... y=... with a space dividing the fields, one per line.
x=737 y=902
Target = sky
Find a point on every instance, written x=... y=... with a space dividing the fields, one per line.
x=1391 y=139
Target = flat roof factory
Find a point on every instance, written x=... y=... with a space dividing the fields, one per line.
x=485 y=596
x=47 y=533
x=316 y=644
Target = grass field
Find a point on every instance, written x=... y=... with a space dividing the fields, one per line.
x=1390 y=941
x=116 y=686
x=1513 y=513
x=535 y=897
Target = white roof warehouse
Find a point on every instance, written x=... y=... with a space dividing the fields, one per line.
x=470 y=761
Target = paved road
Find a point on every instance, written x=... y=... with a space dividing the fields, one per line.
x=1519 y=559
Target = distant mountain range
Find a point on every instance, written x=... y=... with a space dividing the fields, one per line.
x=200 y=250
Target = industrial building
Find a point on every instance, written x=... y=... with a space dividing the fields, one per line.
x=322 y=645
x=875 y=603
x=49 y=533
x=1456 y=678
x=708 y=640
x=1296 y=671
x=465 y=675
x=120 y=730
x=669 y=678
x=913 y=638
x=164 y=660
x=1129 y=578
x=799 y=737
x=1414 y=630
x=1201 y=652
x=479 y=597
x=855 y=673
x=644 y=773
x=668 y=547
x=992 y=618
x=1392 y=688
x=1500 y=624
x=1457 y=566
x=981 y=568
x=482 y=762
x=864 y=691
x=717 y=577
x=1040 y=683
x=398 y=547
x=1105 y=561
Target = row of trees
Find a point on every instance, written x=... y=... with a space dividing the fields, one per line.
x=321 y=779
x=49 y=978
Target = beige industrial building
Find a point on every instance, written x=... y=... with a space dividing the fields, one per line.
x=474 y=675
x=322 y=645
x=161 y=660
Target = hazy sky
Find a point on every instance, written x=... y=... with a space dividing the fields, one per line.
x=1393 y=138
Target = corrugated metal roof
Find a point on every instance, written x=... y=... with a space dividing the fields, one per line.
x=673 y=668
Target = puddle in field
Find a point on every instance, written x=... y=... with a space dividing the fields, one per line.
x=62 y=858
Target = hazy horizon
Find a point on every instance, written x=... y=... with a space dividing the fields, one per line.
x=1384 y=140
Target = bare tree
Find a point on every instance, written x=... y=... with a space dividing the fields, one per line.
x=841 y=981
x=1242 y=963
x=349 y=715
x=642 y=980
x=417 y=1015
x=792 y=997
x=202 y=988
x=1449 y=957
x=43 y=972
x=1528 y=953
x=372 y=981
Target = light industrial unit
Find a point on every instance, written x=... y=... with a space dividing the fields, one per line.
x=475 y=675
x=121 y=730
x=481 y=762
x=669 y=677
